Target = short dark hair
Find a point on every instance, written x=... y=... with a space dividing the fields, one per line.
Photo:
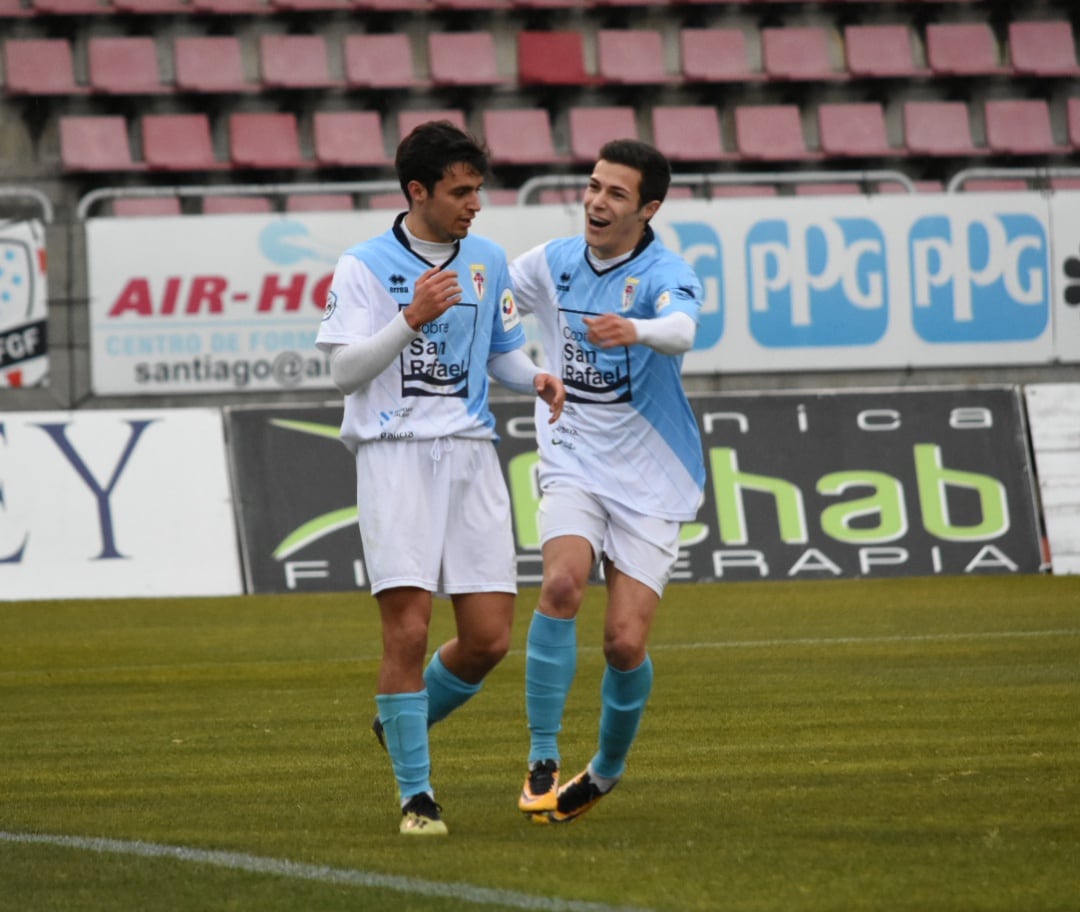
x=433 y=147
x=650 y=162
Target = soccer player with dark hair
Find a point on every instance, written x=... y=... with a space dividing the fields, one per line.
x=620 y=471
x=415 y=320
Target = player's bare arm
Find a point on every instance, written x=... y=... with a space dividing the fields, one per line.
x=436 y=291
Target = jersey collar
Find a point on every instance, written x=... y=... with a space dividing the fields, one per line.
x=402 y=238
x=646 y=239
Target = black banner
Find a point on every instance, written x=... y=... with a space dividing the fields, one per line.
x=800 y=486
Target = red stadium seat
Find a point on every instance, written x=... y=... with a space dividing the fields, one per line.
x=96 y=143
x=798 y=52
x=294 y=62
x=590 y=128
x=631 y=57
x=1043 y=48
x=226 y=204
x=1073 y=122
x=40 y=66
x=264 y=140
x=551 y=58
x=392 y=200
x=771 y=133
x=1020 y=127
x=230 y=7
x=962 y=49
x=380 y=61
x=318 y=202
x=152 y=7
x=15 y=9
x=995 y=185
x=738 y=191
x=311 y=5
x=519 y=136
x=349 y=139
x=409 y=120
x=827 y=188
x=715 y=55
x=462 y=59
x=124 y=66
x=178 y=142
x=203 y=63
x=854 y=130
x=938 y=128
x=878 y=51
x=72 y=7
x=688 y=133
x=146 y=205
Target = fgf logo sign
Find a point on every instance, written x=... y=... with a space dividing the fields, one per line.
x=979 y=278
x=817 y=282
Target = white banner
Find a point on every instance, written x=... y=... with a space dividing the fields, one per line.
x=232 y=303
x=1065 y=224
x=1054 y=415
x=109 y=504
x=24 y=344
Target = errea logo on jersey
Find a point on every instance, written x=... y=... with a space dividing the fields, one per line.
x=820 y=284
x=508 y=310
x=979 y=278
x=398 y=284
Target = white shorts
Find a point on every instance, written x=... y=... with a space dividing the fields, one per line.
x=435 y=514
x=644 y=547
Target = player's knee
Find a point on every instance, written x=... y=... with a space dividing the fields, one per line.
x=561 y=594
x=624 y=650
x=486 y=651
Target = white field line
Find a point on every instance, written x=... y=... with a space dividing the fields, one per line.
x=237 y=861
x=780 y=642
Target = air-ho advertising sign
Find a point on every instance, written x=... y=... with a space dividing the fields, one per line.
x=233 y=303
x=800 y=486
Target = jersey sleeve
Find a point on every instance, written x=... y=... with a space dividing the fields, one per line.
x=348 y=313
x=507 y=332
x=679 y=291
x=527 y=273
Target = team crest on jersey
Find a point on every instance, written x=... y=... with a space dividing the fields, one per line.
x=479 y=279
x=629 y=292
x=331 y=305
x=508 y=310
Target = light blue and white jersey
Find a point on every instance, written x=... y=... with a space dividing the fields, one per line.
x=627 y=431
x=438 y=385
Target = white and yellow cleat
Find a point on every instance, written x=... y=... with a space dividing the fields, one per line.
x=420 y=817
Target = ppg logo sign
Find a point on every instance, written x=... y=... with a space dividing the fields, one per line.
x=979 y=279
x=701 y=248
x=820 y=284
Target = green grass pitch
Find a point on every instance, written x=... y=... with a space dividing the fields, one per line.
x=908 y=744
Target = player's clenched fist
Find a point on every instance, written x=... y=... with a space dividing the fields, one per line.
x=435 y=292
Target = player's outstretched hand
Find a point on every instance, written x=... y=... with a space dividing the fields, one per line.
x=550 y=388
x=435 y=292
x=609 y=330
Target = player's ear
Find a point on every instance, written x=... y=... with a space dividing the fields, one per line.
x=417 y=192
x=649 y=209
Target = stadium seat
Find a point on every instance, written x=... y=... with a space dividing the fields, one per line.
x=880 y=51
x=392 y=6
x=294 y=62
x=226 y=204
x=380 y=61
x=203 y=63
x=519 y=136
x=124 y=66
x=1064 y=183
x=1042 y=48
x=551 y=58
x=688 y=133
x=962 y=49
x=178 y=142
x=1020 y=127
x=466 y=5
x=739 y=191
x=152 y=7
x=631 y=57
x=798 y=53
x=40 y=66
x=230 y=7
x=391 y=200
x=71 y=7
x=938 y=128
x=827 y=188
x=591 y=127
x=287 y=6
x=499 y=196
x=715 y=55
x=264 y=140
x=15 y=9
x=1073 y=121
x=349 y=139
x=462 y=59
x=146 y=205
x=855 y=129
x=318 y=202
x=96 y=143
x=410 y=120
x=771 y=133
x=995 y=185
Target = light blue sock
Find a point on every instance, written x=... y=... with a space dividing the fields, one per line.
x=446 y=691
x=623 y=695
x=550 y=665
x=404 y=718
